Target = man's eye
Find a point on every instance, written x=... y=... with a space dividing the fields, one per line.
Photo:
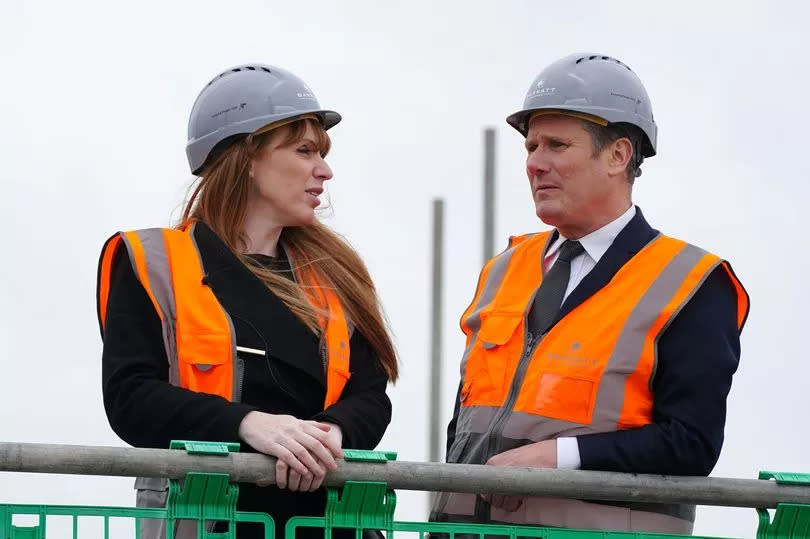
x=531 y=148
x=557 y=145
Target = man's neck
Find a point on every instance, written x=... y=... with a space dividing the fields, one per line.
x=576 y=232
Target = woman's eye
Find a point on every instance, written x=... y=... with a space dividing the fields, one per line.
x=304 y=149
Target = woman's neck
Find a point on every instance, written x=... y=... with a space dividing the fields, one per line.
x=261 y=235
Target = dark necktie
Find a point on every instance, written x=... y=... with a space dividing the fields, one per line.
x=549 y=297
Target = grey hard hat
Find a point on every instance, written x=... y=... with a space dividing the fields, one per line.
x=243 y=99
x=593 y=85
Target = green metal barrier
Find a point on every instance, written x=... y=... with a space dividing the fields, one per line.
x=39 y=530
x=201 y=498
x=370 y=506
x=790 y=520
x=206 y=497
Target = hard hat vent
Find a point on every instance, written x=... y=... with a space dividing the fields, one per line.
x=237 y=70
x=602 y=58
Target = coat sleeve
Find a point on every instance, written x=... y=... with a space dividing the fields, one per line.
x=363 y=411
x=142 y=407
x=697 y=357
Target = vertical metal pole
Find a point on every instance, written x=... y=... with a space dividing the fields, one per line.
x=436 y=338
x=489 y=193
x=436 y=332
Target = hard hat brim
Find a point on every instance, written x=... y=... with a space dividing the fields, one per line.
x=520 y=120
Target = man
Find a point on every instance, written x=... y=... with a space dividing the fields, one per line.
x=601 y=344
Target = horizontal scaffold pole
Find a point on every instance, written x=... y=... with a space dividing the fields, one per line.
x=252 y=467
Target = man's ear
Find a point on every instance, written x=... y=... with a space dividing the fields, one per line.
x=620 y=154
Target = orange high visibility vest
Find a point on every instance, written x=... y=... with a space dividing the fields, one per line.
x=197 y=331
x=591 y=372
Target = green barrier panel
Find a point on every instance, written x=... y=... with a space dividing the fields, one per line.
x=201 y=498
x=370 y=506
x=105 y=514
x=790 y=520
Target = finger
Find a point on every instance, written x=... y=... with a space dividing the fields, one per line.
x=281 y=473
x=319 y=451
x=326 y=439
x=285 y=455
x=294 y=480
x=317 y=480
x=306 y=483
x=486 y=497
x=332 y=443
x=302 y=453
x=334 y=440
x=316 y=483
x=322 y=426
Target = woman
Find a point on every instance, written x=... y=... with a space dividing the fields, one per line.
x=250 y=322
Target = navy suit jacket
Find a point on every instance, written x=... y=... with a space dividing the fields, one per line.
x=697 y=357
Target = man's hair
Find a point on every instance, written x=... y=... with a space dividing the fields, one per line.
x=602 y=136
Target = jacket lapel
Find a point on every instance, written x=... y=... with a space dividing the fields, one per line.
x=633 y=237
x=261 y=320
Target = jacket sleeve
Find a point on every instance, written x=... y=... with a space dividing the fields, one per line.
x=142 y=407
x=363 y=411
x=697 y=356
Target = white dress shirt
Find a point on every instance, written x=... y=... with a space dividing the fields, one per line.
x=595 y=245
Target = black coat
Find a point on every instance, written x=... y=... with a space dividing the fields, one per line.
x=697 y=357
x=146 y=411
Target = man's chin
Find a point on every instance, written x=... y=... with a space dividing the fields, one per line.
x=550 y=216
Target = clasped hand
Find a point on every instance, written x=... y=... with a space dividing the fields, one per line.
x=305 y=450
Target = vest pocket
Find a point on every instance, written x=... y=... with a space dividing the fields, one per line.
x=204 y=350
x=205 y=362
x=485 y=375
x=565 y=397
x=497 y=328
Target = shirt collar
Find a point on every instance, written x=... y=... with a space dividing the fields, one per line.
x=599 y=241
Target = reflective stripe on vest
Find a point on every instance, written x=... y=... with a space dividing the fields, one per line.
x=198 y=334
x=592 y=372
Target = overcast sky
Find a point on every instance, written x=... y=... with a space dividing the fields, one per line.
x=95 y=97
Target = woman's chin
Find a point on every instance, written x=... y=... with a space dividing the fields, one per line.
x=303 y=218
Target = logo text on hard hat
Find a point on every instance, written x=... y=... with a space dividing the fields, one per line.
x=306 y=93
x=634 y=99
x=539 y=90
x=240 y=106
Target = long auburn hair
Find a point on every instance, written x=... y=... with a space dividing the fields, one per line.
x=220 y=201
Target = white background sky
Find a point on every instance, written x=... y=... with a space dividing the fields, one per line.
x=95 y=97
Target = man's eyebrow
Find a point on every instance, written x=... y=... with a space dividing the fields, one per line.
x=545 y=138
